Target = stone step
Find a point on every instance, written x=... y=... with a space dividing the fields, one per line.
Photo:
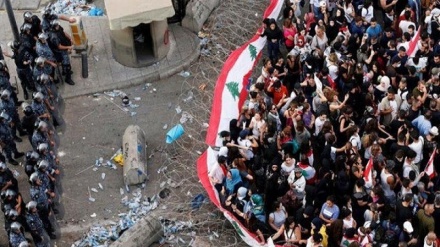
x=22 y=4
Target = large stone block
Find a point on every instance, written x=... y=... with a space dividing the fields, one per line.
x=145 y=232
x=135 y=155
x=197 y=12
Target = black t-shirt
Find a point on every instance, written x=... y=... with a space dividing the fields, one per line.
x=403 y=214
x=394 y=147
x=436 y=216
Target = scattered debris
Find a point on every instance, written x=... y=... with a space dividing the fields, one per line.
x=132 y=114
x=185 y=74
x=103 y=176
x=197 y=202
x=178 y=109
x=94 y=190
x=76 y=8
x=100 y=186
x=189 y=97
x=185 y=117
x=202 y=86
x=93 y=215
x=165 y=127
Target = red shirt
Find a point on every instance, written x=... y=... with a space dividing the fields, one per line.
x=278 y=94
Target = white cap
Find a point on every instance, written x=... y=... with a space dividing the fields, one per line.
x=408 y=226
x=434 y=131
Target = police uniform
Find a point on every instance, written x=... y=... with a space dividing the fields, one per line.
x=15 y=239
x=45 y=180
x=43 y=50
x=24 y=71
x=47 y=18
x=8 y=106
x=39 y=70
x=39 y=137
x=8 y=140
x=39 y=108
x=37 y=230
x=39 y=195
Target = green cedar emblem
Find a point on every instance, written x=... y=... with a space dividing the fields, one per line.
x=237 y=228
x=233 y=88
x=253 y=51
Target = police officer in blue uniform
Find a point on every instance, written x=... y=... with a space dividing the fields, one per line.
x=30 y=164
x=7 y=139
x=28 y=120
x=40 y=135
x=43 y=199
x=43 y=50
x=4 y=80
x=16 y=237
x=8 y=105
x=51 y=99
x=39 y=107
x=47 y=176
x=36 y=226
x=61 y=44
x=42 y=66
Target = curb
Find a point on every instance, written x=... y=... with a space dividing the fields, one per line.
x=156 y=75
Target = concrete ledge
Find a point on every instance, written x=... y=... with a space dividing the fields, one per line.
x=161 y=72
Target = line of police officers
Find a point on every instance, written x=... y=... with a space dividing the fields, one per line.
x=44 y=47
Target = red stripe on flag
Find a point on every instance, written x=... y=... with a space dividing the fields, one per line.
x=368 y=173
x=429 y=169
x=412 y=47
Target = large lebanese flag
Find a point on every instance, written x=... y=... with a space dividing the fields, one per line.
x=429 y=169
x=229 y=95
x=368 y=174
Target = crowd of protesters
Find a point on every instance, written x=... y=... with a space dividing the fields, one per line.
x=337 y=142
x=42 y=50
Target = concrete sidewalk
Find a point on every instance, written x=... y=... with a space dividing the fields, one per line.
x=104 y=72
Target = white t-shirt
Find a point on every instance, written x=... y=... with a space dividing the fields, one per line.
x=217 y=173
x=418 y=148
x=356 y=141
x=318 y=125
x=256 y=127
x=246 y=143
x=333 y=71
x=393 y=105
x=404 y=24
x=368 y=13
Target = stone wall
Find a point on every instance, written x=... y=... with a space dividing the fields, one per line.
x=197 y=12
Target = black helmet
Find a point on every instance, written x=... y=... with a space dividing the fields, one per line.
x=28 y=111
x=14 y=45
x=54 y=23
